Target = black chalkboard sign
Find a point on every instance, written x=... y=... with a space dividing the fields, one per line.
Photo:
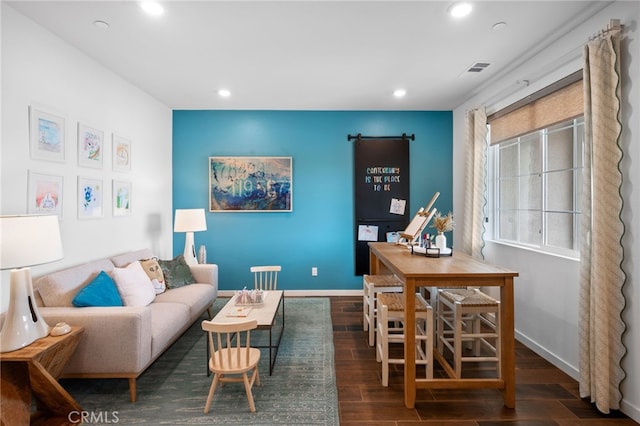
x=381 y=193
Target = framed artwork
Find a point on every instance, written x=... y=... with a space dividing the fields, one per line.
x=121 y=154
x=121 y=193
x=90 y=146
x=46 y=135
x=250 y=184
x=90 y=198
x=44 y=194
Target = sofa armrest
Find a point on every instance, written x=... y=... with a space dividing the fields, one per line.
x=205 y=273
x=116 y=339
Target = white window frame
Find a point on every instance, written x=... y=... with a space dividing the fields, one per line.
x=492 y=231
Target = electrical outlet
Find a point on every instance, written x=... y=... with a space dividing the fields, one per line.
x=314 y=271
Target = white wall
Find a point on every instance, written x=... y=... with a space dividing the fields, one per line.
x=40 y=69
x=548 y=287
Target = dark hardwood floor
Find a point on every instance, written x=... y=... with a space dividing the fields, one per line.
x=544 y=394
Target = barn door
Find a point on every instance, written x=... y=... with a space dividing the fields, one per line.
x=381 y=193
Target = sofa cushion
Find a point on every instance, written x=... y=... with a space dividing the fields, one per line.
x=176 y=272
x=168 y=320
x=122 y=260
x=197 y=297
x=59 y=288
x=101 y=291
x=134 y=285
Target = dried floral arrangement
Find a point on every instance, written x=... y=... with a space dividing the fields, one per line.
x=443 y=223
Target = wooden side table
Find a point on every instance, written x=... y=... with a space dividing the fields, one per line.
x=33 y=370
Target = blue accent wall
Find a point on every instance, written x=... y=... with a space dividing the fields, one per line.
x=320 y=229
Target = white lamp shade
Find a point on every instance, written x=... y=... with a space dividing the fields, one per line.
x=29 y=240
x=25 y=241
x=189 y=220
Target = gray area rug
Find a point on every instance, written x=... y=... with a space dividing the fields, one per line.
x=301 y=391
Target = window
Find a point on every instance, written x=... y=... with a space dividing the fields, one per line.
x=536 y=186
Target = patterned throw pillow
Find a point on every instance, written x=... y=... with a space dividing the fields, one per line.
x=101 y=291
x=154 y=271
x=176 y=272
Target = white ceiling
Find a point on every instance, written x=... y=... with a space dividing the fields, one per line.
x=309 y=55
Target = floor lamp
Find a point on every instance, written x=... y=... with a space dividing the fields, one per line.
x=189 y=221
x=25 y=241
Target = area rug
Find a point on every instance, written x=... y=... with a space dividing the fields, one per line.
x=301 y=391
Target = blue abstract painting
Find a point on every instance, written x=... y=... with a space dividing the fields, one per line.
x=250 y=184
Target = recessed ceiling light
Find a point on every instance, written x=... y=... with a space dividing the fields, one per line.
x=152 y=8
x=460 y=10
x=101 y=24
x=224 y=93
x=399 y=93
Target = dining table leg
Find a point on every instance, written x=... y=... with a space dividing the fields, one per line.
x=507 y=342
x=409 y=343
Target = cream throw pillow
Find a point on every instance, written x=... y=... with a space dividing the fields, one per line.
x=134 y=285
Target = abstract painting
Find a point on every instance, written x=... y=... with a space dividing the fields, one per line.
x=250 y=184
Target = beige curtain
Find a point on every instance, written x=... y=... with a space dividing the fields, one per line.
x=475 y=182
x=602 y=277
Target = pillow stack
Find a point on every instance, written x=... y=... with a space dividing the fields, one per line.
x=137 y=284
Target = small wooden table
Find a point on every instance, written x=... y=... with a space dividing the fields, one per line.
x=449 y=271
x=33 y=370
x=265 y=314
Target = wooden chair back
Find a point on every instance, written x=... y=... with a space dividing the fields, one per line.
x=265 y=277
x=230 y=344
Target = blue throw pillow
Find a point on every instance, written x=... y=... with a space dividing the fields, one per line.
x=101 y=291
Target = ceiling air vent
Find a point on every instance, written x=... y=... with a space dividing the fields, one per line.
x=478 y=67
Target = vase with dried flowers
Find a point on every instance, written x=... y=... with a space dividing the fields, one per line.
x=442 y=224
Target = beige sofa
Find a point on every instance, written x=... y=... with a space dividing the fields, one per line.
x=122 y=341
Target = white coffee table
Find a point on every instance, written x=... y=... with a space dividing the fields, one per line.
x=265 y=314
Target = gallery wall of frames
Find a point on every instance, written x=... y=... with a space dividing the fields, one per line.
x=104 y=164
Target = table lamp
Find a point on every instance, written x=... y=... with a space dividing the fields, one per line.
x=189 y=221
x=25 y=241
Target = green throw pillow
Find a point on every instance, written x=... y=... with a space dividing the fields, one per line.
x=176 y=272
x=101 y=291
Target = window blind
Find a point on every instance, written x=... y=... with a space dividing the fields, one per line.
x=561 y=101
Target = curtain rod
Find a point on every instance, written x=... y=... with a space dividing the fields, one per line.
x=359 y=136
x=612 y=26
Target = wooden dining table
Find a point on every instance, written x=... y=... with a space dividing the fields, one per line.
x=457 y=270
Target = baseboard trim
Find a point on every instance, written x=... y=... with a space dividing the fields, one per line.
x=557 y=362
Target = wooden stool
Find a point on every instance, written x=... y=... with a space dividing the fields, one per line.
x=391 y=309
x=371 y=286
x=460 y=318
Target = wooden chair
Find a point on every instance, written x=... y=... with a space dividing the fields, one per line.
x=372 y=285
x=391 y=311
x=265 y=277
x=232 y=355
x=462 y=317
